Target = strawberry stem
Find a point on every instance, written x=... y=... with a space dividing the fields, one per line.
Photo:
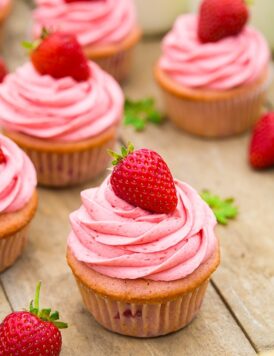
x=125 y=151
x=37 y=295
x=31 y=46
x=45 y=314
x=249 y=2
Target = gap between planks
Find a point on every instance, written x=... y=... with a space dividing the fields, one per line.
x=230 y=310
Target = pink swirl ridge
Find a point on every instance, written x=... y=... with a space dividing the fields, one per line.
x=4 y=3
x=17 y=177
x=60 y=110
x=226 y=64
x=121 y=241
x=100 y=22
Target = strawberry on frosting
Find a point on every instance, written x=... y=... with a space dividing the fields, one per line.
x=231 y=62
x=59 y=109
x=94 y=23
x=17 y=177
x=120 y=240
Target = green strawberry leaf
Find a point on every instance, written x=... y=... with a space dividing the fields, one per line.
x=224 y=209
x=139 y=113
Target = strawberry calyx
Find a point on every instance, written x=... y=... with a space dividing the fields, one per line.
x=45 y=314
x=32 y=46
x=118 y=157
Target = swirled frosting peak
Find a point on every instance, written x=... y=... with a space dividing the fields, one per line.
x=17 y=177
x=93 y=22
x=121 y=241
x=226 y=64
x=60 y=109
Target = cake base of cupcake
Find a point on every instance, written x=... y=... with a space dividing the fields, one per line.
x=61 y=164
x=213 y=114
x=14 y=231
x=116 y=59
x=142 y=308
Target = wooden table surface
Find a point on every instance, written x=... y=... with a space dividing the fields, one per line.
x=237 y=317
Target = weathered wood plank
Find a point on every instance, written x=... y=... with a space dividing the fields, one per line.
x=246 y=277
x=4 y=304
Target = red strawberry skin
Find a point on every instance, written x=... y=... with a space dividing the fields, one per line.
x=261 y=151
x=3 y=70
x=22 y=333
x=221 y=18
x=143 y=179
x=60 y=55
x=2 y=157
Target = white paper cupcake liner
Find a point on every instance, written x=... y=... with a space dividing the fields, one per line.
x=57 y=169
x=145 y=319
x=117 y=65
x=218 y=117
x=11 y=247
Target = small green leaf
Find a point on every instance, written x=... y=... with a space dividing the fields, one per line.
x=44 y=314
x=54 y=316
x=130 y=147
x=139 y=113
x=27 y=45
x=60 y=324
x=124 y=151
x=155 y=117
x=224 y=209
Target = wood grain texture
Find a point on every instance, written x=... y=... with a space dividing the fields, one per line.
x=218 y=165
x=4 y=304
x=246 y=277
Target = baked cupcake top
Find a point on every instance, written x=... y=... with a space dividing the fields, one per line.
x=59 y=109
x=226 y=64
x=17 y=177
x=95 y=23
x=122 y=240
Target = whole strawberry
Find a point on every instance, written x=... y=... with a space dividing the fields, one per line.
x=2 y=157
x=59 y=55
x=143 y=179
x=261 y=151
x=221 y=18
x=31 y=332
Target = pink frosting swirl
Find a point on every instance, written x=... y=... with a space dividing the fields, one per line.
x=4 y=3
x=226 y=64
x=119 y=240
x=60 y=110
x=101 y=22
x=17 y=177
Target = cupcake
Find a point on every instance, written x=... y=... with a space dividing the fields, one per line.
x=142 y=248
x=63 y=111
x=107 y=30
x=214 y=80
x=18 y=200
x=5 y=9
